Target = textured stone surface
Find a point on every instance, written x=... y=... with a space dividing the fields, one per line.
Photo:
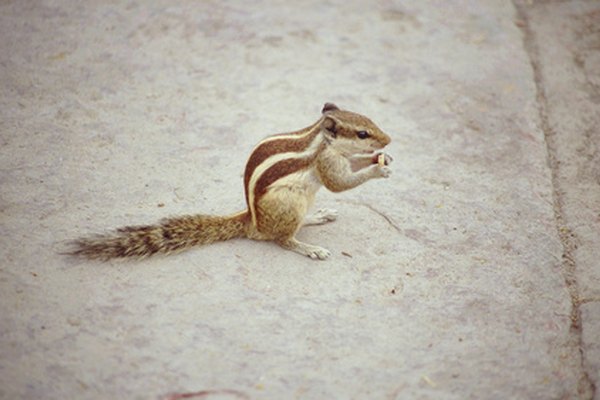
x=590 y=314
x=446 y=281
x=567 y=65
x=572 y=96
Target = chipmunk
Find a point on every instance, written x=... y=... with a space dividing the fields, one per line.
x=281 y=179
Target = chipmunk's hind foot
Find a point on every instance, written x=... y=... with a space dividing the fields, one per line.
x=321 y=217
x=309 y=250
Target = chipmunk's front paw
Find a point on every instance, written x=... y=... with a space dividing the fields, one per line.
x=386 y=172
x=382 y=171
x=382 y=159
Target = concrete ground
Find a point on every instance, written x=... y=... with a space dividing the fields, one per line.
x=472 y=273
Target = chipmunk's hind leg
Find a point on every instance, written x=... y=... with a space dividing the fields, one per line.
x=309 y=250
x=281 y=214
x=321 y=217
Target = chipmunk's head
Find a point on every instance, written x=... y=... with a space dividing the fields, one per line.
x=351 y=133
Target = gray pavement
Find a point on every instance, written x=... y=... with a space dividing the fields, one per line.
x=471 y=273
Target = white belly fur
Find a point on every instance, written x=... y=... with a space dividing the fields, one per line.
x=302 y=183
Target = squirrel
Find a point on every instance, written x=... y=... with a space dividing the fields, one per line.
x=281 y=178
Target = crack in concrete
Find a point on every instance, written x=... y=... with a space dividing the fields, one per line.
x=590 y=300
x=585 y=385
x=389 y=220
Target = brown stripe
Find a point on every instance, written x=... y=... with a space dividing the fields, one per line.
x=277 y=171
x=272 y=147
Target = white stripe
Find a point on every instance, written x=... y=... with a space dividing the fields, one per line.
x=269 y=162
x=291 y=136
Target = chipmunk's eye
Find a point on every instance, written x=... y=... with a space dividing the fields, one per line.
x=362 y=134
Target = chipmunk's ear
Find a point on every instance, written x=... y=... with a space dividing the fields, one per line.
x=329 y=107
x=329 y=126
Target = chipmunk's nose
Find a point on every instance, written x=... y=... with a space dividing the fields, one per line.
x=385 y=139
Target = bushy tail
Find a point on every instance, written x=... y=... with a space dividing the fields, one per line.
x=169 y=236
